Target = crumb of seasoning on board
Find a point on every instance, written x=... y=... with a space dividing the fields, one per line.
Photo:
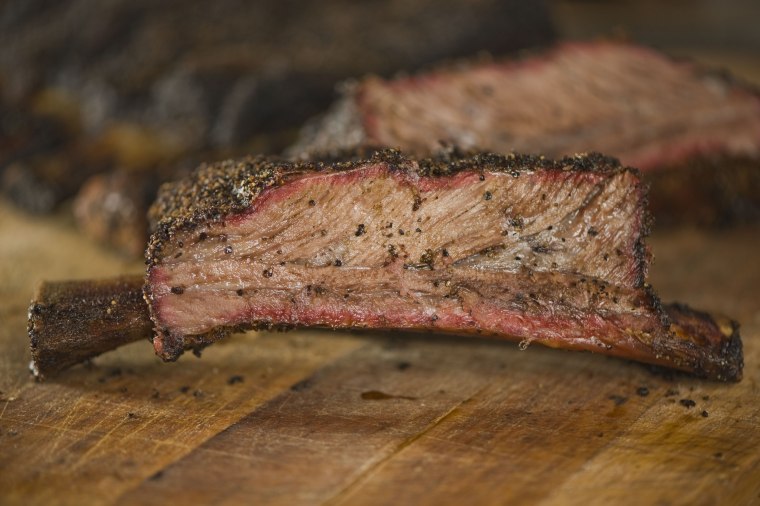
x=232 y=380
x=642 y=391
x=687 y=403
x=403 y=366
x=618 y=399
x=705 y=414
x=360 y=230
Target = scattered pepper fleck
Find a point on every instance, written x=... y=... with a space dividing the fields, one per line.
x=687 y=403
x=360 y=230
x=642 y=391
x=618 y=399
x=403 y=366
x=234 y=379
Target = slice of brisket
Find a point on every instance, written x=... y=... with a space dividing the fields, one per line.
x=517 y=247
x=652 y=112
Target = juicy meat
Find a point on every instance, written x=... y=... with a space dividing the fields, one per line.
x=630 y=102
x=511 y=246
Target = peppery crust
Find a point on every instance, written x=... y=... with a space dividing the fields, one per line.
x=214 y=192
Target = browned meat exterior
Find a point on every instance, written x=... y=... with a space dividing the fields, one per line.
x=631 y=102
x=517 y=247
x=73 y=321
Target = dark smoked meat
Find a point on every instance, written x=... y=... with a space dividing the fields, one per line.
x=695 y=134
x=515 y=247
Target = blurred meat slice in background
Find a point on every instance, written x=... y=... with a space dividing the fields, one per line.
x=693 y=132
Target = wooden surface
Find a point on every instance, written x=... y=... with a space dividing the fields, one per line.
x=330 y=418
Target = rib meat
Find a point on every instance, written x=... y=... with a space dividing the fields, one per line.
x=517 y=247
x=654 y=113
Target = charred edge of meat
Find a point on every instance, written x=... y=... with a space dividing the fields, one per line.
x=73 y=321
x=727 y=362
x=174 y=347
x=216 y=191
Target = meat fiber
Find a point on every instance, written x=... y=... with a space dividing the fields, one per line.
x=517 y=247
x=654 y=113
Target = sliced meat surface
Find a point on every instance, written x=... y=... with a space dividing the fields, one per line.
x=518 y=247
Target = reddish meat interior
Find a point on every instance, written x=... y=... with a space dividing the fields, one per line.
x=543 y=255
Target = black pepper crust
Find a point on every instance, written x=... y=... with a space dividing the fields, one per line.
x=216 y=191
